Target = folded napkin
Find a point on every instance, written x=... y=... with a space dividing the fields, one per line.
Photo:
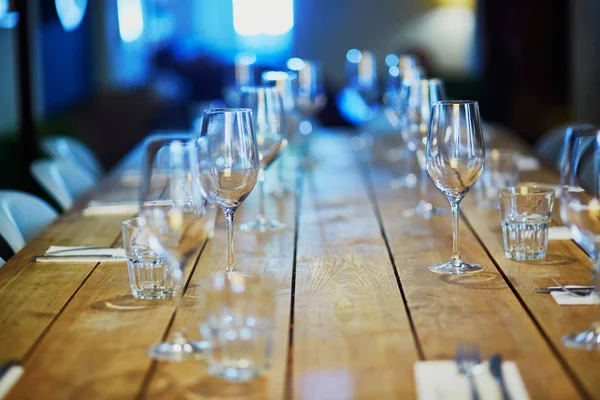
x=438 y=380
x=10 y=376
x=82 y=254
x=528 y=163
x=567 y=299
x=111 y=208
x=559 y=233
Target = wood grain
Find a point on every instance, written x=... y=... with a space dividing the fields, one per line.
x=352 y=338
x=479 y=308
x=269 y=254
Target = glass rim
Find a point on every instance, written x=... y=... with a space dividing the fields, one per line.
x=241 y=110
x=455 y=102
x=290 y=75
x=536 y=189
x=134 y=222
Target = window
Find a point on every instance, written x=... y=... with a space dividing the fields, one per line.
x=268 y=17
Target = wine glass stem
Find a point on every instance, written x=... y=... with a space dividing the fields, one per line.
x=261 y=193
x=423 y=183
x=229 y=212
x=455 y=205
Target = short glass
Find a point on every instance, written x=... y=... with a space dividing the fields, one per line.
x=526 y=213
x=150 y=276
x=501 y=171
x=238 y=324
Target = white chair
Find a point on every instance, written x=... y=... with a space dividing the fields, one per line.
x=62 y=180
x=73 y=151
x=22 y=217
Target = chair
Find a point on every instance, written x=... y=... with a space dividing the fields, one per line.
x=549 y=147
x=62 y=180
x=2 y=262
x=73 y=151
x=22 y=217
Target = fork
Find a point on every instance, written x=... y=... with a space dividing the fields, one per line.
x=467 y=358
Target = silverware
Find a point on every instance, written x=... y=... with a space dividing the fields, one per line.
x=496 y=370
x=83 y=248
x=467 y=358
x=569 y=290
x=90 y=256
x=584 y=290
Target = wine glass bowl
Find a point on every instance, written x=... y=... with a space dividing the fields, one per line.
x=455 y=160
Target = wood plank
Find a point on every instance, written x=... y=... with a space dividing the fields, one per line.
x=33 y=294
x=352 y=337
x=449 y=309
x=269 y=254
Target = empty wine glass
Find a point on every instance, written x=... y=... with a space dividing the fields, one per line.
x=229 y=163
x=455 y=159
x=173 y=210
x=268 y=121
x=580 y=211
x=286 y=83
x=310 y=101
x=416 y=100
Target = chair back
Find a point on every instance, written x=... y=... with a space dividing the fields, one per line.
x=73 y=151
x=62 y=180
x=549 y=148
x=22 y=217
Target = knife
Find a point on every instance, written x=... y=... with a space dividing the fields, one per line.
x=496 y=370
x=50 y=257
x=582 y=289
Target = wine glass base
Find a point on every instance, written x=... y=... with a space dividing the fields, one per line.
x=424 y=210
x=178 y=350
x=262 y=225
x=461 y=268
x=586 y=340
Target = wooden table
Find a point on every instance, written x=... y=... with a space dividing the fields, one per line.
x=357 y=305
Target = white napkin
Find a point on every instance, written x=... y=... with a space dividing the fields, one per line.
x=559 y=233
x=528 y=163
x=71 y=253
x=566 y=299
x=438 y=380
x=111 y=208
x=9 y=379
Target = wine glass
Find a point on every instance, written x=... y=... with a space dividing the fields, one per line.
x=415 y=110
x=286 y=83
x=310 y=101
x=580 y=211
x=269 y=127
x=173 y=211
x=229 y=163
x=455 y=159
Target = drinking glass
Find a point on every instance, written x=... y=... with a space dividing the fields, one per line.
x=580 y=211
x=416 y=100
x=501 y=171
x=150 y=277
x=238 y=324
x=286 y=83
x=268 y=121
x=403 y=67
x=361 y=71
x=229 y=163
x=525 y=214
x=455 y=159
x=173 y=210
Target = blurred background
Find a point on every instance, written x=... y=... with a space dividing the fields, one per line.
x=109 y=72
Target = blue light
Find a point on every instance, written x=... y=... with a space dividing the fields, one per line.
x=131 y=19
x=394 y=71
x=354 y=56
x=391 y=60
x=295 y=64
x=8 y=20
x=70 y=13
x=269 y=17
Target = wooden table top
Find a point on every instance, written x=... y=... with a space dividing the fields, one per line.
x=357 y=305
